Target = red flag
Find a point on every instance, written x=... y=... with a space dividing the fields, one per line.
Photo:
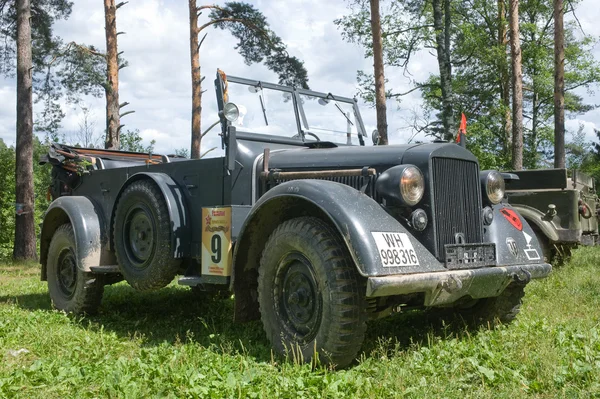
x=463 y=124
x=462 y=129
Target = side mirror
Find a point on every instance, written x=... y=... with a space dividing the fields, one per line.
x=375 y=137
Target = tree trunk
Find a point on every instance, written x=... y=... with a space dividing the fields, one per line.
x=504 y=76
x=196 y=83
x=380 y=105
x=112 y=75
x=442 y=26
x=559 y=85
x=517 y=83
x=25 y=241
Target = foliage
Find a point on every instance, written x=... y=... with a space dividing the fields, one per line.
x=170 y=344
x=7 y=200
x=45 y=46
x=132 y=141
x=42 y=180
x=478 y=59
x=258 y=43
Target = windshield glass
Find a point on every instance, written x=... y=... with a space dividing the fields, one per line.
x=271 y=111
x=330 y=120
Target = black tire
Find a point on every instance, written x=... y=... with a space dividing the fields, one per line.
x=324 y=307
x=502 y=309
x=71 y=289
x=142 y=237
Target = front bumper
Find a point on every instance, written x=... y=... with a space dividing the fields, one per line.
x=443 y=288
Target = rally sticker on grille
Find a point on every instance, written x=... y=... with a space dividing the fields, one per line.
x=395 y=249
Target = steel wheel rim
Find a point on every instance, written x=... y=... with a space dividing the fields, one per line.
x=66 y=272
x=298 y=297
x=139 y=236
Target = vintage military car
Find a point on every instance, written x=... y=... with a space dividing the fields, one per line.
x=560 y=205
x=312 y=230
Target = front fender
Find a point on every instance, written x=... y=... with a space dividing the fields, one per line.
x=516 y=242
x=88 y=225
x=354 y=214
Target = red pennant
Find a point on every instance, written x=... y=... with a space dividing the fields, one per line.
x=512 y=217
x=463 y=124
x=462 y=129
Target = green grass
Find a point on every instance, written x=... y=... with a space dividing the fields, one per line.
x=169 y=344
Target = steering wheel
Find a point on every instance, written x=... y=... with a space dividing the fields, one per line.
x=297 y=136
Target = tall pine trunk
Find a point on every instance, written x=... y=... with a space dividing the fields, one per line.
x=517 y=86
x=25 y=242
x=196 y=83
x=504 y=75
x=112 y=75
x=559 y=85
x=441 y=24
x=380 y=105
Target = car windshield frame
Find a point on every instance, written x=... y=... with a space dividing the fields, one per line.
x=302 y=125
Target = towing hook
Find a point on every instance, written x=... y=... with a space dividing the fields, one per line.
x=522 y=277
x=452 y=284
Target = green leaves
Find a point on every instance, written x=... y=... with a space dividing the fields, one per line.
x=258 y=43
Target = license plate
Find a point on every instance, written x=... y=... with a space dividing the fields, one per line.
x=468 y=256
x=395 y=249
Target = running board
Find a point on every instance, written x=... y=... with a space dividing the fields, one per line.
x=108 y=269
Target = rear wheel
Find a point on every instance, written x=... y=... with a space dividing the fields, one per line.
x=142 y=237
x=70 y=288
x=310 y=294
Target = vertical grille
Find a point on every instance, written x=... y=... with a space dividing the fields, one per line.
x=456 y=201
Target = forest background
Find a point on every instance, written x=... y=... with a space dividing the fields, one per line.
x=334 y=45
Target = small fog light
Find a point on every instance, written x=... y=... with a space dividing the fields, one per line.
x=418 y=220
x=488 y=215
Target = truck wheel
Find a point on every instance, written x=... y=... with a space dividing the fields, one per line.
x=310 y=294
x=142 y=237
x=71 y=289
x=503 y=308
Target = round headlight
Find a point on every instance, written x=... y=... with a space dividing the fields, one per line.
x=231 y=112
x=412 y=185
x=401 y=183
x=494 y=186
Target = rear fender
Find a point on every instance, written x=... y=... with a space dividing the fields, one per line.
x=88 y=224
x=173 y=195
x=536 y=218
x=353 y=214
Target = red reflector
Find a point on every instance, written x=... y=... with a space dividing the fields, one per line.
x=512 y=217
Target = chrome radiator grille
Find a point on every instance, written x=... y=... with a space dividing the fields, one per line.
x=456 y=202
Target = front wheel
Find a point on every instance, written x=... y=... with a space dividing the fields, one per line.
x=310 y=294
x=70 y=288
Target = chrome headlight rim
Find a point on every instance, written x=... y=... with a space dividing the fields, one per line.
x=493 y=185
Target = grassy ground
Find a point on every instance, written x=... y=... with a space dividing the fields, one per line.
x=168 y=344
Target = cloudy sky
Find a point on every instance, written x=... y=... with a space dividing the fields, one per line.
x=157 y=81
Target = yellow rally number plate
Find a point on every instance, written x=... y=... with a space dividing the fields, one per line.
x=216 y=241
